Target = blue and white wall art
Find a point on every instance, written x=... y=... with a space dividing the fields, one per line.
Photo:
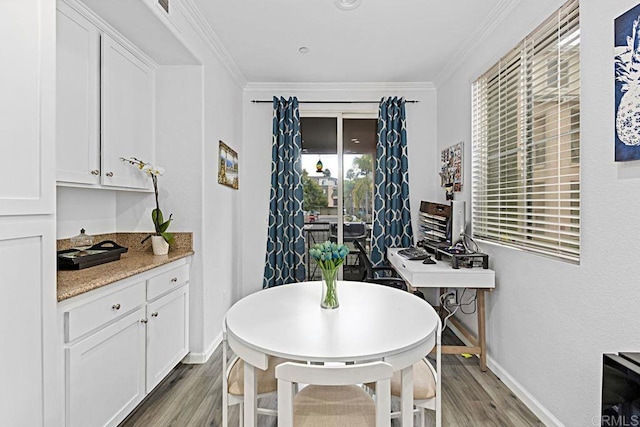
x=627 y=85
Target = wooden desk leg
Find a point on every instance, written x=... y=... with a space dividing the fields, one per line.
x=250 y=396
x=482 y=339
x=406 y=396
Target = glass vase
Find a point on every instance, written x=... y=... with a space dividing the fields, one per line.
x=329 y=289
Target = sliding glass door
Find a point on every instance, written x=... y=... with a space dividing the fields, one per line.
x=338 y=152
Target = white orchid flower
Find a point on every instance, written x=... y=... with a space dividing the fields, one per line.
x=160 y=224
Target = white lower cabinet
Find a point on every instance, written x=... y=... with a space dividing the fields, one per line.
x=120 y=341
x=167 y=334
x=106 y=373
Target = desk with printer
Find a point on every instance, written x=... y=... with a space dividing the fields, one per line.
x=457 y=265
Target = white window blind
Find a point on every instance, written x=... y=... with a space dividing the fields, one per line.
x=526 y=142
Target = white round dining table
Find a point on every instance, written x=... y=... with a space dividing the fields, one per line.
x=373 y=322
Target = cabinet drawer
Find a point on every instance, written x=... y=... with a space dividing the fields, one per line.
x=89 y=316
x=164 y=282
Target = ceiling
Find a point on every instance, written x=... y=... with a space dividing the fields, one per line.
x=380 y=41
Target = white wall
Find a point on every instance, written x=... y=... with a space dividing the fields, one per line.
x=179 y=148
x=548 y=321
x=91 y=209
x=255 y=167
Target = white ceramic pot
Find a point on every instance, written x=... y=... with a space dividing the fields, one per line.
x=160 y=246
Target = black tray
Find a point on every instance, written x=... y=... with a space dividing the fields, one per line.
x=106 y=251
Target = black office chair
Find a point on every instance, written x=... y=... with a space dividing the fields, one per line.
x=371 y=273
x=351 y=231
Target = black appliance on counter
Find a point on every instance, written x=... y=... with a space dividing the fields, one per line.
x=620 y=389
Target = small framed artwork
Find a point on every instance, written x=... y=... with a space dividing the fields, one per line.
x=227 y=166
x=451 y=168
x=627 y=85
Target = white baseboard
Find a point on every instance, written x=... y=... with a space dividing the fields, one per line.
x=199 y=358
x=531 y=402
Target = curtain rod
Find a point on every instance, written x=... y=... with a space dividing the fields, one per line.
x=256 y=101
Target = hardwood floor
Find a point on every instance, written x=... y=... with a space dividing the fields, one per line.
x=191 y=396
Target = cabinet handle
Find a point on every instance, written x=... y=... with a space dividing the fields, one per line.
x=109 y=174
x=116 y=306
x=95 y=172
x=145 y=320
x=174 y=279
x=154 y=314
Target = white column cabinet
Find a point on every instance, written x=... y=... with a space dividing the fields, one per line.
x=27 y=107
x=30 y=356
x=121 y=340
x=127 y=99
x=78 y=104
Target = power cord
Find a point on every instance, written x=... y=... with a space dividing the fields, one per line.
x=451 y=313
x=458 y=306
x=470 y=246
x=472 y=301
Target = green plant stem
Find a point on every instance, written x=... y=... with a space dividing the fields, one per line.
x=330 y=299
x=154 y=178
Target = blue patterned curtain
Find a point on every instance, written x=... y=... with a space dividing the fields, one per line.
x=391 y=211
x=285 y=242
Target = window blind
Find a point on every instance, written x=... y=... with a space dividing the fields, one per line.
x=526 y=142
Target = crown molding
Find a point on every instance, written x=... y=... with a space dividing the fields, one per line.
x=476 y=38
x=337 y=87
x=105 y=27
x=211 y=40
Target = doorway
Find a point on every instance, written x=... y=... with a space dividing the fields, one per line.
x=338 y=154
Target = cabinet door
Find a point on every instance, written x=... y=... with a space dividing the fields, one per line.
x=127 y=100
x=30 y=355
x=167 y=334
x=78 y=87
x=27 y=107
x=105 y=373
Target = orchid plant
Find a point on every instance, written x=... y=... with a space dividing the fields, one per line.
x=159 y=223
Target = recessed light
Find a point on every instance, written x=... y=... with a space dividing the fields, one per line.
x=347 y=4
x=303 y=50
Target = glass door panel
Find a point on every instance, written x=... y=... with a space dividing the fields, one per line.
x=320 y=172
x=359 y=147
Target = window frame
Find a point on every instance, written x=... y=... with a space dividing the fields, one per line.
x=526 y=143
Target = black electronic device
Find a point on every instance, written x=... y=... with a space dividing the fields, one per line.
x=413 y=254
x=620 y=389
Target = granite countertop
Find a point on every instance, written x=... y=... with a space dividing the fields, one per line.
x=138 y=259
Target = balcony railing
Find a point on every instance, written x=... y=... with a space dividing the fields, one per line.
x=319 y=232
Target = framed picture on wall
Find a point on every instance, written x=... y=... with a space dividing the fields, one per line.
x=627 y=85
x=451 y=167
x=227 y=166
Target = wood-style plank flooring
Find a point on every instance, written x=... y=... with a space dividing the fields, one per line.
x=191 y=395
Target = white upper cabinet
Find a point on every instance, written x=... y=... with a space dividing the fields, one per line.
x=105 y=104
x=27 y=110
x=127 y=109
x=78 y=79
